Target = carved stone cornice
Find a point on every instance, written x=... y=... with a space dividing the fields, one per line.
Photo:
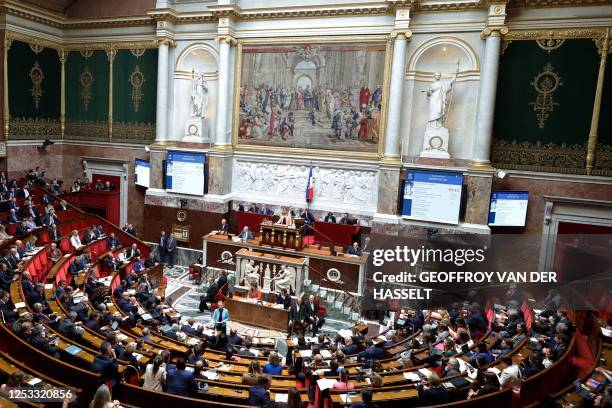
x=517 y=4
x=563 y=33
x=164 y=14
x=11 y=35
x=231 y=11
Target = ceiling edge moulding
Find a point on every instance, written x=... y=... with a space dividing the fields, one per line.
x=81 y=46
x=518 y=4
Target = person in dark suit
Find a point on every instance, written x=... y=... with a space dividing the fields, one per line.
x=234 y=339
x=350 y=347
x=6 y=277
x=224 y=227
x=106 y=364
x=560 y=347
x=259 y=394
x=311 y=317
x=179 y=381
x=345 y=218
x=162 y=247
x=171 y=250
x=246 y=235
x=209 y=297
x=112 y=242
x=253 y=208
x=133 y=251
x=12 y=217
x=296 y=315
x=129 y=228
x=284 y=299
x=366 y=399
x=266 y=211
x=431 y=391
x=354 y=249
x=330 y=217
x=54 y=234
x=7 y=310
x=374 y=352
x=188 y=328
x=124 y=302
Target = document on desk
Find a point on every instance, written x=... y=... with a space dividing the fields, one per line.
x=412 y=376
x=281 y=397
x=326 y=383
x=326 y=353
x=211 y=375
x=346 y=399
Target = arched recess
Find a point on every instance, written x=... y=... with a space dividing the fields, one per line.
x=201 y=57
x=441 y=54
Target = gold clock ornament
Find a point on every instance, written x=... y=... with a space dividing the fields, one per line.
x=181 y=215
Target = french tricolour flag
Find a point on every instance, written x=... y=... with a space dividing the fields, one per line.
x=310 y=187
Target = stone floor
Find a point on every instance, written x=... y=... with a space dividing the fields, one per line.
x=184 y=296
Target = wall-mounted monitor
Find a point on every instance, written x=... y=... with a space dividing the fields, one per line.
x=432 y=196
x=185 y=172
x=142 y=172
x=508 y=208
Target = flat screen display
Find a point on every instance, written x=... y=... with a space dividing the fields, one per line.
x=432 y=196
x=185 y=172
x=508 y=208
x=142 y=170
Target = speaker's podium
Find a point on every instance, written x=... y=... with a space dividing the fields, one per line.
x=281 y=236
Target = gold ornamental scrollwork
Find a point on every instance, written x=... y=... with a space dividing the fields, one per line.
x=138 y=52
x=36 y=76
x=538 y=156
x=545 y=84
x=136 y=80
x=550 y=44
x=86 y=80
x=86 y=53
x=36 y=48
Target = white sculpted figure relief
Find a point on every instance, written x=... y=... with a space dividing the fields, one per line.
x=284 y=279
x=289 y=181
x=251 y=275
x=438 y=96
x=199 y=94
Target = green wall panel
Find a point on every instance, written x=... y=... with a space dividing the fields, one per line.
x=576 y=62
x=21 y=60
x=129 y=105
x=78 y=108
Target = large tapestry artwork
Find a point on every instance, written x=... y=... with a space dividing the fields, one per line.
x=314 y=96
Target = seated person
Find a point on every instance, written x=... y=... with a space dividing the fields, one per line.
x=345 y=218
x=432 y=392
x=284 y=299
x=133 y=251
x=259 y=394
x=246 y=235
x=253 y=208
x=330 y=217
x=224 y=227
x=354 y=249
x=266 y=211
x=112 y=241
x=273 y=366
x=254 y=293
x=75 y=240
x=344 y=383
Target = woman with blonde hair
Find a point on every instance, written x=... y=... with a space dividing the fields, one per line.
x=254 y=371
x=103 y=399
x=273 y=367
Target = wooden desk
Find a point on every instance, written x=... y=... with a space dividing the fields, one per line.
x=257 y=314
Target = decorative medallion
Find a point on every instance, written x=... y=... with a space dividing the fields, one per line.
x=136 y=79
x=227 y=257
x=36 y=48
x=307 y=52
x=86 y=80
x=138 y=52
x=333 y=275
x=545 y=84
x=86 y=53
x=550 y=44
x=181 y=215
x=37 y=76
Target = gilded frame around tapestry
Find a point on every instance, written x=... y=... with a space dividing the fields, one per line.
x=358 y=148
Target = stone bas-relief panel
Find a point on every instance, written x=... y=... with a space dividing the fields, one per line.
x=287 y=183
x=319 y=96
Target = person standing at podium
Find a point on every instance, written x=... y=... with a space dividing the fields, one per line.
x=220 y=317
x=285 y=218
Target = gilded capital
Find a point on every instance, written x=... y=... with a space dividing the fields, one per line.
x=166 y=41
x=494 y=31
x=228 y=39
x=395 y=34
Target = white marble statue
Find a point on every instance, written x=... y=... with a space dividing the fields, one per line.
x=438 y=96
x=285 y=279
x=267 y=278
x=251 y=275
x=199 y=94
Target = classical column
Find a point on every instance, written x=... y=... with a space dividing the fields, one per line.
x=603 y=45
x=63 y=54
x=161 y=131
x=394 y=105
x=7 y=46
x=221 y=137
x=110 y=53
x=481 y=154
